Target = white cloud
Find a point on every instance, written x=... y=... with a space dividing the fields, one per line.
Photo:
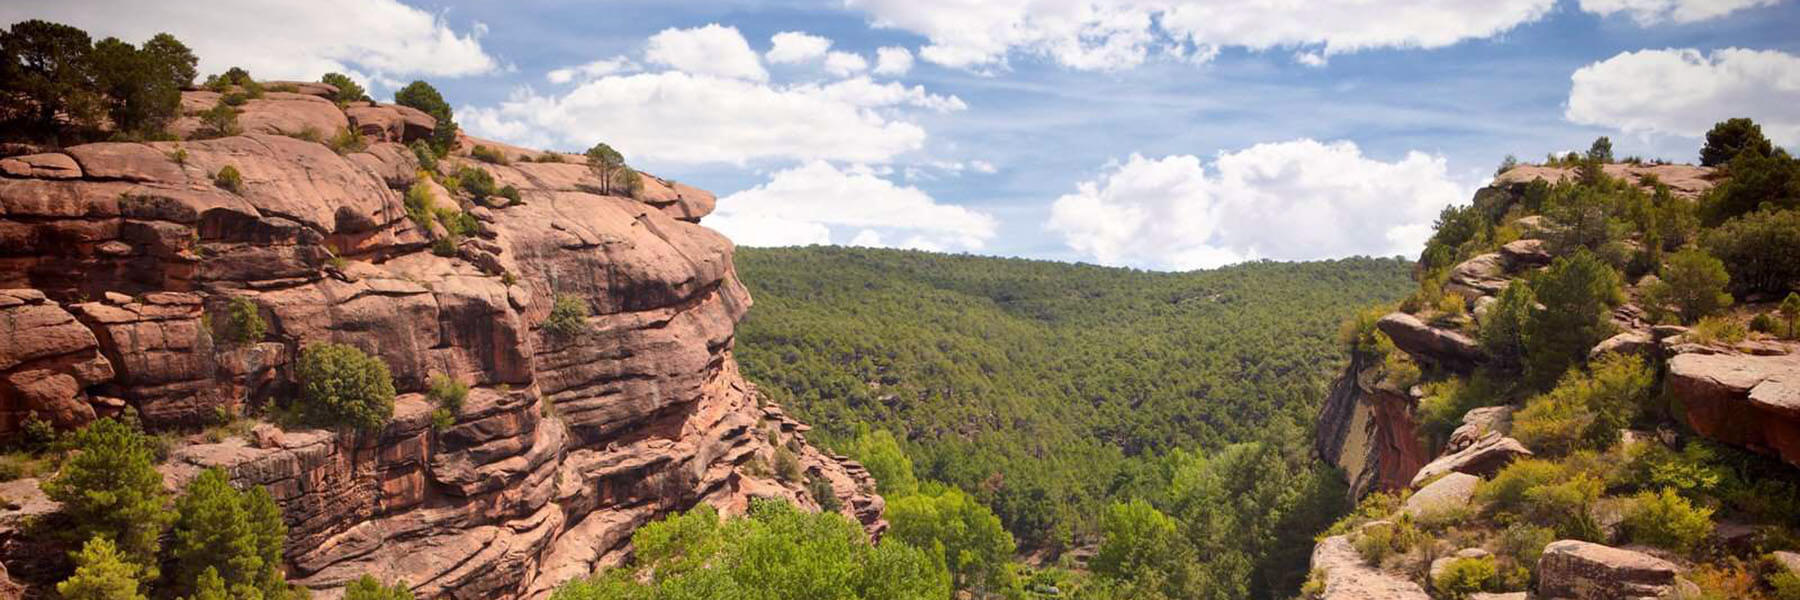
x=893 y=61
x=707 y=50
x=1293 y=200
x=814 y=197
x=796 y=47
x=1116 y=34
x=1684 y=92
x=845 y=64
x=1651 y=12
x=982 y=166
x=1311 y=59
x=276 y=39
x=598 y=68
x=676 y=117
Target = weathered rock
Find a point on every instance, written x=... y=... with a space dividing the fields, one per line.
x=276 y=113
x=1577 y=570
x=1347 y=577
x=1789 y=561
x=1499 y=596
x=51 y=165
x=1447 y=494
x=1452 y=350
x=1369 y=433
x=1484 y=457
x=1484 y=275
x=47 y=362
x=1629 y=342
x=1686 y=181
x=1523 y=254
x=1749 y=401
x=565 y=444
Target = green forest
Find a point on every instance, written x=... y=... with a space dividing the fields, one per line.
x=1048 y=391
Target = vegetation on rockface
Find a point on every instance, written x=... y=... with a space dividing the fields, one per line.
x=232 y=537
x=369 y=588
x=422 y=96
x=347 y=89
x=609 y=165
x=62 y=87
x=1047 y=391
x=568 y=316
x=1714 y=263
x=776 y=551
x=109 y=488
x=341 y=385
x=447 y=395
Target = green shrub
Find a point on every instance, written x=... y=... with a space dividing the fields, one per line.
x=1694 y=471
x=1757 y=182
x=340 y=385
x=1567 y=506
x=510 y=193
x=1464 y=577
x=568 y=316
x=445 y=246
x=476 y=181
x=1524 y=543
x=1720 y=329
x=787 y=466
x=1503 y=328
x=234 y=99
x=348 y=90
x=1790 y=314
x=489 y=155
x=101 y=573
x=1586 y=410
x=428 y=159
x=1666 y=520
x=1578 y=294
x=245 y=323
x=109 y=488
x=1378 y=541
x=1761 y=251
x=1360 y=336
x=1732 y=137
x=447 y=394
x=348 y=140
x=219 y=121
x=229 y=179
x=820 y=490
x=1694 y=283
x=1785 y=583
x=1767 y=323
x=1507 y=489
x=369 y=588
x=1441 y=411
x=420 y=206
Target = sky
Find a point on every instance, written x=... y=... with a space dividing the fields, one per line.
x=1156 y=134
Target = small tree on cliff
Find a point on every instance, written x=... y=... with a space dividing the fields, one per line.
x=347 y=89
x=101 y=573
x=1694 y=283
x=341 y=385
x=1731 y=137
x=422 y=96
x=1790 y=312
x=369 y=588
x=605 y=161
x=110 y=489
x=236 y=536
x=1601 y=151
x=1578 y=293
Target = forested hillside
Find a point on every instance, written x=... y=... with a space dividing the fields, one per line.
x=1048 y=389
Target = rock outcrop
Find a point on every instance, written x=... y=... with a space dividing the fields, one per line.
x=1429 y=345
x=1368 y=431
x=119 y=262
x=1577 y=570
x=1748 y=400
x=1347 y=577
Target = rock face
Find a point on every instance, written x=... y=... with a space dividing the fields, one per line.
x=1577 y=570
x=1748 y=400
x=1431 y=345
x=1447 y=493
x=1347 y=577
x=1369 y=432
x=119 y=261
x=1478 y=447
x=1685 y=181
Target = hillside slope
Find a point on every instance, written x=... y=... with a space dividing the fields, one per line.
x=1047 y=389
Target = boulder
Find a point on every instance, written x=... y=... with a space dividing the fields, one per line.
x=1484 y=275
x=1347 y=577
x=51 y=165
x=1629 y=342
x=1447 y=494
x=1478 y=423
x=1685 y=181
x=1524 y=254
x=1483 y=458
x=47 y=364
x=1745 y=400
x=1448 y=349
x=1577 y=570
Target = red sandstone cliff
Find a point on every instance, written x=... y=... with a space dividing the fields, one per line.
x=117 y=261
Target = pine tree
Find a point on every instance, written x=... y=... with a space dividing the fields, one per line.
x=234 y=535
x=109 y=487
x=210 y=586
x=1790 y=312
x=101 y=573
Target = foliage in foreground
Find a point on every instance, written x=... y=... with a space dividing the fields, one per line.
x=777 y=552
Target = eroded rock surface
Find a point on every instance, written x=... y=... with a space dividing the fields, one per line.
x=1369 y=432
x=1748 y=400
x=1577 y=570
x=119 y=261
x=1347 y=577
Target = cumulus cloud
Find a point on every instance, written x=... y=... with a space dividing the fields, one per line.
x=378 y=40
x=676 y=117
x=1651 y=12
x=598 y=68
x=893 y=61
x=1684 y=92
x=1294 y=200
x=1116 y=34
x=845 y=64
x=708 y=50
x=796 y=47
x=802 y=205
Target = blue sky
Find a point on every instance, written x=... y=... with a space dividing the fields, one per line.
x=1152 y=133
